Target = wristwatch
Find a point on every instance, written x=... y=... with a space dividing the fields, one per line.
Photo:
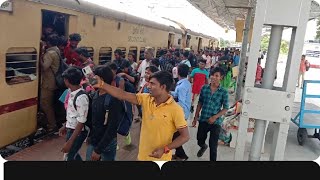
x=166 y=150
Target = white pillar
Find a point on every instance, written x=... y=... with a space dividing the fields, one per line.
x=244 y=49
x=241 y=138
x=268 y=80
x=279 y=142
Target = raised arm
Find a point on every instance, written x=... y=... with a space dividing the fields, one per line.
x=116 y=92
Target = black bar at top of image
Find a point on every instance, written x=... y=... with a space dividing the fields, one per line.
x=43 y=170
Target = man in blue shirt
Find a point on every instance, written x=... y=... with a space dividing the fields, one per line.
x=236 y=58
x=213 y=103
x=182 y=95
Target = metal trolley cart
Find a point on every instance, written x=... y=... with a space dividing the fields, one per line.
x=302 y=134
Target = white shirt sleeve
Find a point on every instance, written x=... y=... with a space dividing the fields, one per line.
x=140 y=67
x=82 y=104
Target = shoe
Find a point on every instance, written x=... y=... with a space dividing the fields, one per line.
x=202 y=150
x=177 y=158
x=127 y=139
x=174 y=157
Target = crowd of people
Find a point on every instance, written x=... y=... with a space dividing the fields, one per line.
x=164 y=89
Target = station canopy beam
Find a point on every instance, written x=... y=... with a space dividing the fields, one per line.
x=225 y=12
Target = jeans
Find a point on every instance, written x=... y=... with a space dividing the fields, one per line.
x=73 y=154
x=108 y=154
x=202 y=133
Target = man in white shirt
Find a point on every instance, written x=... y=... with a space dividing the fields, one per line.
x=77 y=111
x=208 y=59
x=148 y=54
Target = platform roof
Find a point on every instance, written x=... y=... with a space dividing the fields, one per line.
x=225 y=12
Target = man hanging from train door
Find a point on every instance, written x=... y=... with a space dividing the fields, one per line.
x=49 y=66
x=69 y=50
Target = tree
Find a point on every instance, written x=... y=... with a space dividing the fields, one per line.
x=265 y=43
x=284 y=47
x=224 y=43
x=318 y=29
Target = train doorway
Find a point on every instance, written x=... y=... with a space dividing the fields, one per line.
x=170 y=40
x=52 y=23
x=199 y=44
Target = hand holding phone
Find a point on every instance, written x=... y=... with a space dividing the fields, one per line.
x=87 y=71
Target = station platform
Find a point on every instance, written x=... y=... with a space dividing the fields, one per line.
x=49 y=149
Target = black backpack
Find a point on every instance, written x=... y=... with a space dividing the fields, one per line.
x=126 y=122
x=90 y=94
x=307 y=65
x=128 y=86
x=58 y=75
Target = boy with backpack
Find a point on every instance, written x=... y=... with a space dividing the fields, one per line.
x=76 y=116
x=125 y=85
x=107 y=112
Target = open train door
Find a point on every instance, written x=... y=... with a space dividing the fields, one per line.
x=200 y=44
x=57 y=23
x=170 y=40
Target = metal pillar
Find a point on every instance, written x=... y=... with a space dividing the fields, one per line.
x=268 y=80
x=264 y=103
x=292 y=44
x=243 y=56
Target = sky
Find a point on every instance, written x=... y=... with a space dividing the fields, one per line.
x=310 y=32
x=179 y=10
x=182 y=11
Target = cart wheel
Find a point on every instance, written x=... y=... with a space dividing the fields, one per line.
x=302 y=135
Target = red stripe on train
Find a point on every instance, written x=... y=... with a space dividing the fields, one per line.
x=18 y=105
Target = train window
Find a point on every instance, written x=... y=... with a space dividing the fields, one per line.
x=141 y=53
x=90 y=51
x=21 y=65
x=105 y=55
x=134 y=50
x=124 y=51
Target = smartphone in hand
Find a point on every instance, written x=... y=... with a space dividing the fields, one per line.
x=87 y=71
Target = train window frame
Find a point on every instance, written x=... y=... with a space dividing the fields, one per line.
x=108 y=50
x=134 y=49
x=20 y=72
x=90 y=51
x=141 y=54
x=124 y=51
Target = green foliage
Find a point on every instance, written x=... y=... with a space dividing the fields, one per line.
x=318 y=29
x=224 y=43
x=284 y=47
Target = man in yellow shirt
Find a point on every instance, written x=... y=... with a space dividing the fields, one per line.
x=161 y=117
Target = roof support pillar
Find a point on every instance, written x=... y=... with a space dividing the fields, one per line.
x=243 y=56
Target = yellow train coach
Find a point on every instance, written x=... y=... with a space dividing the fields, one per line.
x=102 y=30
